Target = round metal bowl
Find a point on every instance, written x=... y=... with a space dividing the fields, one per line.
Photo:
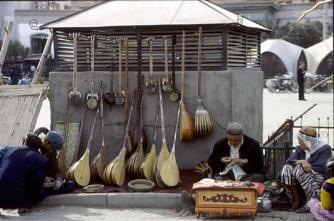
x=93 y=188
x=49 y=184
x=141 y=185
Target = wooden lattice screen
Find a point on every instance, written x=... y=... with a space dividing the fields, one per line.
x=243 y=49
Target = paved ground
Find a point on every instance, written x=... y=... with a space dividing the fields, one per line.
x=84 y=213
x=277 y=107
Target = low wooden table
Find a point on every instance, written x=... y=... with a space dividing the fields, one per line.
x=225 y=198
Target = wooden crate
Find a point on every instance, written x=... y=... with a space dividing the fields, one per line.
x=228 y=202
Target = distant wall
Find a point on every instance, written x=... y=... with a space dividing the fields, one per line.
x=232 y=95
x=290 y=13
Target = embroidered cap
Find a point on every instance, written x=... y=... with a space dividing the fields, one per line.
x=308 y=131
x=234 y=128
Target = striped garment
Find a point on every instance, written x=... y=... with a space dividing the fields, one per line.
x=309 y=181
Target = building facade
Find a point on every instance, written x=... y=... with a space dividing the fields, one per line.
x=29 y=15
x=274 y=14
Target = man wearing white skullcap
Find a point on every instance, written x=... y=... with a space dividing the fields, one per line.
x=237 y=156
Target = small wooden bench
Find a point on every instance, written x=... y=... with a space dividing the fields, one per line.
x=225 y=198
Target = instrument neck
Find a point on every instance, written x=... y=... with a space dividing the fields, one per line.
x=166 y=56
x=156 y=121
x=176 y=127
x=163 y=133
x=183 y=64
x=75 y=62
x=101 y=116
x=150 y=42
x=139 y=77
x=173 y=60
x=92 y=61
x=126 y=132
x=92 y=130
x=126 y=42
x=141 y=118
x=199 y=62
x=120 y=65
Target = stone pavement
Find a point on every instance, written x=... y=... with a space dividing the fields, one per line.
x=126 y=206
x=73 y=213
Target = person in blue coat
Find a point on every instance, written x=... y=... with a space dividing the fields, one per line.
x=305 y=169
x=22 y=174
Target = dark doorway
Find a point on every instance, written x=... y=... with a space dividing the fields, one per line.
x=272 y=65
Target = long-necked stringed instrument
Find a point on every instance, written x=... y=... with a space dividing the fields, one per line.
x=114 y=172
x=80 y=170
x=164 y=152
x=186 y=122
x=147 y=167
x=169 y=172
x=99 y=162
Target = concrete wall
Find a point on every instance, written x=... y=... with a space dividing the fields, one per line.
x=290 y=13
x=247 y=101
x=232 y=95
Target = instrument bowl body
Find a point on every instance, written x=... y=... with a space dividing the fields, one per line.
x=186 y=126
x=75 y=98
x=92 y=101
x=120 y=98
x=109 y=98
x=174 y=96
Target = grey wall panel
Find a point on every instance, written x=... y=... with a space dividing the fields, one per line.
x=247 y=101
x=223 y=95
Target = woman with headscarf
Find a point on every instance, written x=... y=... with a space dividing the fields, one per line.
x=305 y=168
x=323 y=210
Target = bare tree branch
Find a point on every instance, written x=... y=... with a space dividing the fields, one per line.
x=313 y=8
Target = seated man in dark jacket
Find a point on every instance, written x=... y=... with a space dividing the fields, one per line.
x=237 y=151
x=22 y=174
x=306 y=168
